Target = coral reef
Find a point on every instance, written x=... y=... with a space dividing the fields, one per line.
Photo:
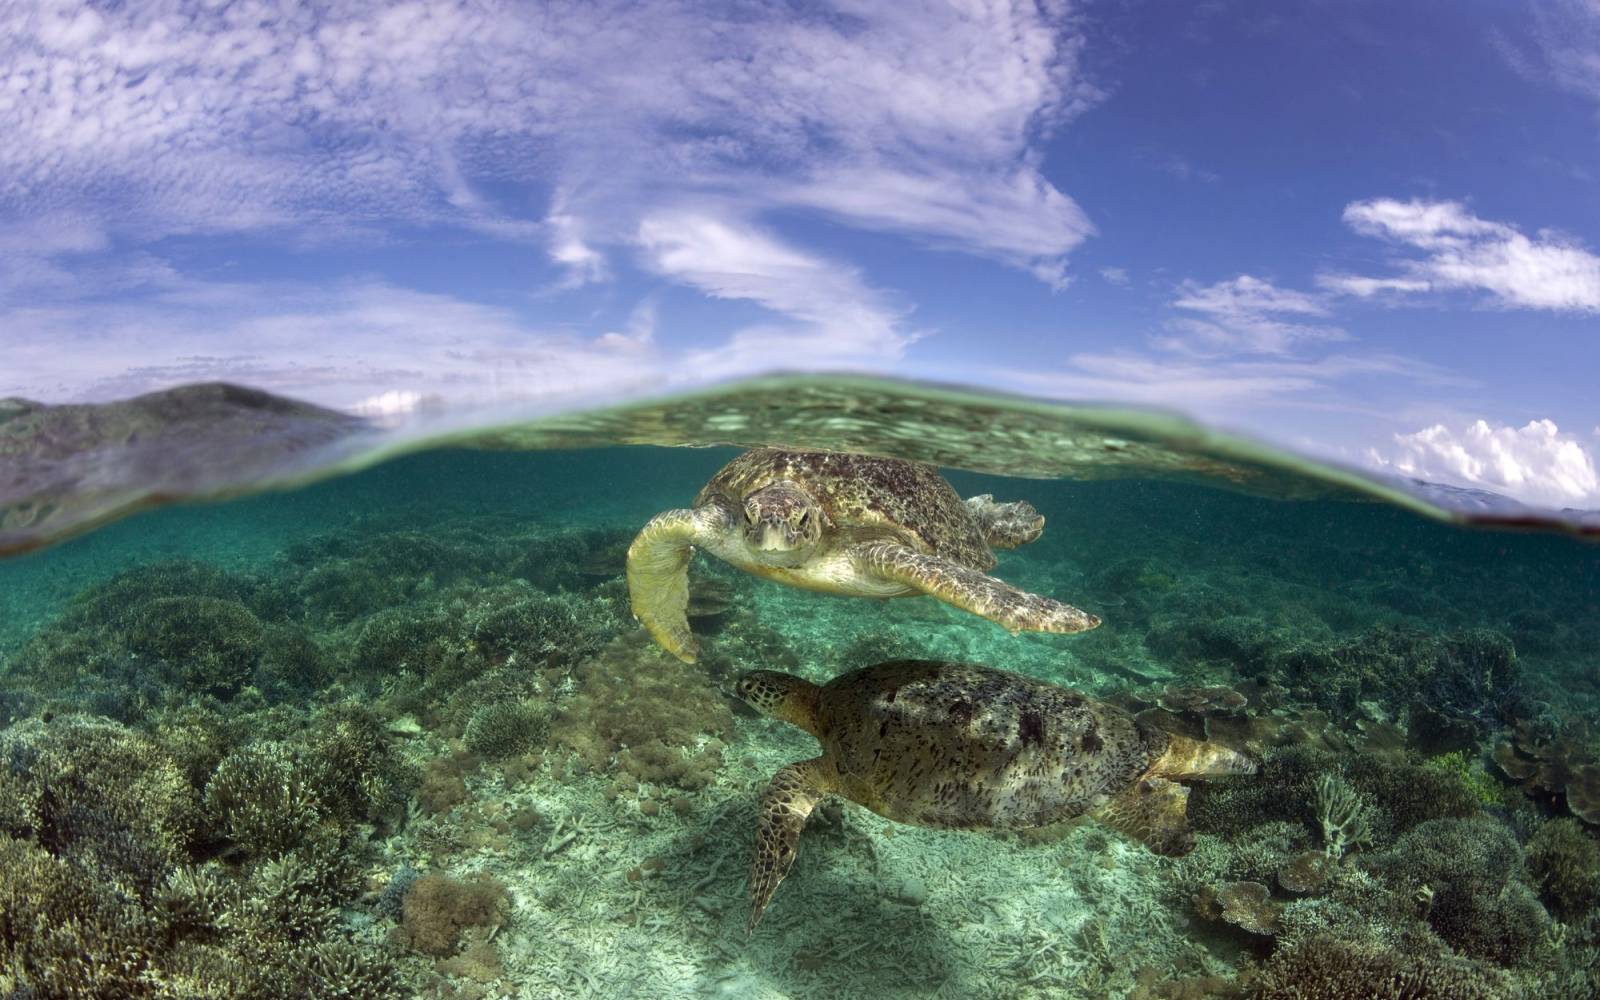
x=437 y=909
x=1564 y=865
x=634 y=707
x=224 y=780
x=505 y=729
x=1342 y=815
x=1555 y=764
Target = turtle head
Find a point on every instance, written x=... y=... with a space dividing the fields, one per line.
x=782 y=523
x=781 y=696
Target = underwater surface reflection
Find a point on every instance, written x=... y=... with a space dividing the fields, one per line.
x=398 y=733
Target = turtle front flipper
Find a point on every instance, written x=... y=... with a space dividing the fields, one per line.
x=1012 y=609
x=1006 y=525
x=658 y=575
x=785 y=805
x=1155 y=811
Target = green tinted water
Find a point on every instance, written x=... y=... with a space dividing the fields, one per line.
x=394 y=733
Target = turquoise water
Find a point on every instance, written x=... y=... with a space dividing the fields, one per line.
x=395 y=733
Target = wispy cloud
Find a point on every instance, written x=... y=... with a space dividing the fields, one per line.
x=342 y=345
x=1535 y=463
x=1244 y=314
x=1462 y=252
x=574 y=129
x=914 y=117
x=1216 y=388
x=1566 y=36
x=833 y=317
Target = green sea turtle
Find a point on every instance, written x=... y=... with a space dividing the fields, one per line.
x=846 y=524
x=963 y=747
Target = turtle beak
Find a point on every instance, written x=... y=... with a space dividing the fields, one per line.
x=775 y=537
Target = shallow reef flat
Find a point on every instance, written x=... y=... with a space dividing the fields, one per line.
x=398 y=735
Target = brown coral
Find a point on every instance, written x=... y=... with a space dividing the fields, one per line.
x=1247 y=905
x=1553 y=764
x=1306 y=872
x=1214 y=699
x=438 y=908
x=631 y=696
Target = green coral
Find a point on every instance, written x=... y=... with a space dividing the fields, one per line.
x=1469 y=771
x=505 y=729
x=201 y=645
x=1329 y=968
x=1564 y=864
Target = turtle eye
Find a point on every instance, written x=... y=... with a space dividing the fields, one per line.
x=750 y=515
x=805 y=519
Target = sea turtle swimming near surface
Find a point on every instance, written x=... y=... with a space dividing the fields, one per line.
x=857 y=525
x=964 y=747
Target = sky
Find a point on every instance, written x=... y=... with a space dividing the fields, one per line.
x=1365 y=230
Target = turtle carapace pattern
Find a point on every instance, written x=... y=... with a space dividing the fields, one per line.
x=965 y=747
x=847 y=524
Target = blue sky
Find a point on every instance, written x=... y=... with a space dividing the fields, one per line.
x=1368 y=230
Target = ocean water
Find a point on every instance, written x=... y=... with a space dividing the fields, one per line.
x=368 y=715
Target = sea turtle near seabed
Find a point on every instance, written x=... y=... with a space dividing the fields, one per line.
x=857 y=525
x=963 y=747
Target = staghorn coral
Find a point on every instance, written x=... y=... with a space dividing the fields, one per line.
x=1564 y=865
x=94 y=789
x=1470 y=869
x=1399 y=794
x=66 y=932
x=1328 y=968
x=1342 y=815
x=504 y=729
x=1471 y=674
x=264 y=799
x=201 y=645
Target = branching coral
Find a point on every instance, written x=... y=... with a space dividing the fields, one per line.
x=504 y=729
x=1564 y=864
x=1342 y=814
x=1328 y=968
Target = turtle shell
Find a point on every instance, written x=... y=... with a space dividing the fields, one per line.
x=864 y=495
x=960 y=746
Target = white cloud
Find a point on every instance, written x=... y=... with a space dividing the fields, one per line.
x=1213 y=388
x=1534 y=463
x=175 y=116
x=1567 y=33
x=1366 y=288
x=349 y=123
x=1244 y=315
x=1462 y=252
x=1115 y=276
x=833 y=317
x=366 y=344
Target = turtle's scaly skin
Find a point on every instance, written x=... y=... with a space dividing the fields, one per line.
x=856 y=525
x=958 y=746
x=868 y=497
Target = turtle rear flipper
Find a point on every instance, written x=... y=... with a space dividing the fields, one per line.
x=658 y=576
x=786 y=804
x=1155 y=811
x=1006 y=525
x=1012 y=609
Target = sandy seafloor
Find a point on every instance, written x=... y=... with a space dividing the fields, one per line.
x=623 y=872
